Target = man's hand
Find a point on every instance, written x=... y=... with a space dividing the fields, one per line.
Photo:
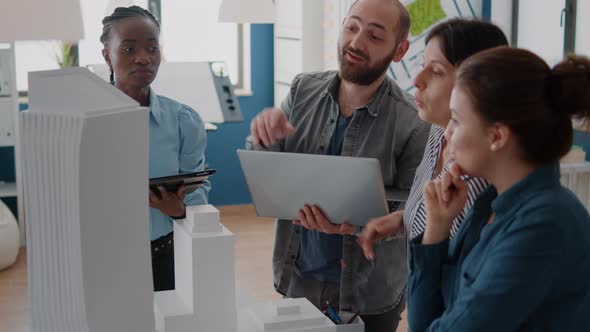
x=169 y=203
x=312 y=218
x=378 y=229
x=269 y=126
x=444 y=199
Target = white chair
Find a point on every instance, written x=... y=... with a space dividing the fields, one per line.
x=9 y=237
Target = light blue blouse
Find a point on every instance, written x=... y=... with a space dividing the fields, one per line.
x=177 y=145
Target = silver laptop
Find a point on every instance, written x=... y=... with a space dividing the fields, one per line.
x=347 y=189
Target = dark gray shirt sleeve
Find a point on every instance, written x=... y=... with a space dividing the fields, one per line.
x=286 y=107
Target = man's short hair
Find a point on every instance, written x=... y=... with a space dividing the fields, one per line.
x=403 y=26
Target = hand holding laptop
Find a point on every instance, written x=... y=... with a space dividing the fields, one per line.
x=313 y=218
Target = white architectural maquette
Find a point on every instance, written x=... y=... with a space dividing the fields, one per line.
x=293 y=315
x=85 y=158
x=205 y=296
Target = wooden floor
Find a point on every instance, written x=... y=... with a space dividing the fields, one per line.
x=254 y=239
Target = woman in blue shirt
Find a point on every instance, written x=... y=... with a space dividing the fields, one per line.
x=177 y=134
x=521 y=259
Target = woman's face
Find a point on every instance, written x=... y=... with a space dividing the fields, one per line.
x=468 y=135
x=133 y=52
x=434 y=84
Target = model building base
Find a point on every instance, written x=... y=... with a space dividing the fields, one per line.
x=292 y=315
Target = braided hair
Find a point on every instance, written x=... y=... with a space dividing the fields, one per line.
x=121 y=13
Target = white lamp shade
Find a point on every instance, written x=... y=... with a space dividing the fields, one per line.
x=247 y=11
x=40 y=20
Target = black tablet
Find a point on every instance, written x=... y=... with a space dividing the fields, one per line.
x=191 y=181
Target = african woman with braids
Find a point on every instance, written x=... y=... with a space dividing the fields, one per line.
x=177 y=134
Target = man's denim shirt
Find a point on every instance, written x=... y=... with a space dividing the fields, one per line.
x=387 y=128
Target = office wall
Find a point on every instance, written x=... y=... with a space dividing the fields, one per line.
x=500 y=13
x=229 y=185
x=7 y=171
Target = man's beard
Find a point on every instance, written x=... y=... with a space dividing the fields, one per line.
x=361 y=74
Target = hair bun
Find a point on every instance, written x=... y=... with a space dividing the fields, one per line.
x=569 y=86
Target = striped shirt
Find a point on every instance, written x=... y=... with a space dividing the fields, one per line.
x=415 y=213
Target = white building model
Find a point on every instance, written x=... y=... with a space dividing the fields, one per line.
x=85 y=156
x=205 y=297
x=85 y=160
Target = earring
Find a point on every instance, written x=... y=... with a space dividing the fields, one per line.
x=493 y=147
x=112 y=76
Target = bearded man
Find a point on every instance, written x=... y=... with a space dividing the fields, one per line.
x=356 y=111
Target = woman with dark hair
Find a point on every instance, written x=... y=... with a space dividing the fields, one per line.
x=521 y=259
x=447 y=45
x=177 y=134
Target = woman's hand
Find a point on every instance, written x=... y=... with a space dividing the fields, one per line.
x=378 y=229
x=169 y=203
x=444 y=199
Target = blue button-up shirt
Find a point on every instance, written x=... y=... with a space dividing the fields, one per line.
x=320 y=253
x=177 y=145
x=529 y=270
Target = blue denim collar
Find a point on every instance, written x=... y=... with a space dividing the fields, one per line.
x=543 y=177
